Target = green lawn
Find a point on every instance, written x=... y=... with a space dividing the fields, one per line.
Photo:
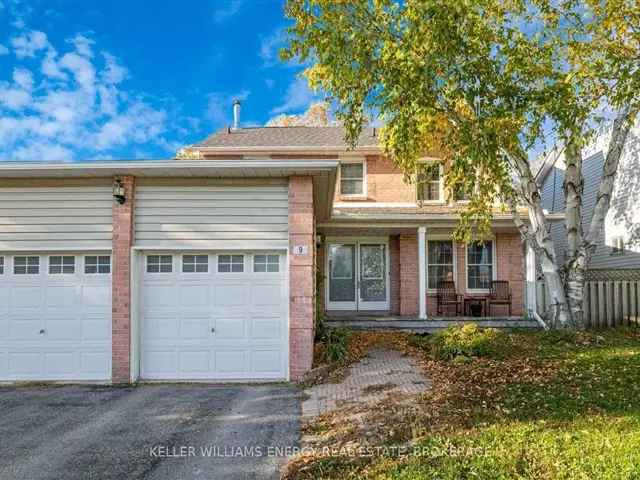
x=546 y=406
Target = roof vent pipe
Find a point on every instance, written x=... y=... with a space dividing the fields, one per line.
x=236 y=114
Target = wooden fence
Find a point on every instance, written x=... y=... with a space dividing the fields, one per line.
x=607 y=303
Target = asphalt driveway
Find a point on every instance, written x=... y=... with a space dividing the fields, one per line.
x=176 y=432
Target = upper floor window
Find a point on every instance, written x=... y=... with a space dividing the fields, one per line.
x=26 y=265
x=1 y=265
x=479 y=265
x=352 y=178
x=618 y=246
x=430 y=182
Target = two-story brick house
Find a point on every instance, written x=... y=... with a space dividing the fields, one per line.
x=209 y=268
x=368 y=250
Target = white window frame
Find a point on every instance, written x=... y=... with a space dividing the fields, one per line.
x=231 y=272
x=195 y=272
x=455 y=259
x=494 y=267
x=441 y=199
x=26 y=265
x=97 y=265
x=62 y=265
x=173 y=264
x=266 y=255
x=363 y=162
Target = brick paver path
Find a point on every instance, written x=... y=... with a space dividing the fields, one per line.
x=382 y=372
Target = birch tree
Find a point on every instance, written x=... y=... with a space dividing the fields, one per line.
x=483 y=83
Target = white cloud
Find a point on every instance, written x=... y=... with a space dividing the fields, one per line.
x=270 y=47
x=298 y=97
x=220 y=106
x=228 y=10
x=72 y=105
x=3 y=50
x=29 y=43
x=113 y=72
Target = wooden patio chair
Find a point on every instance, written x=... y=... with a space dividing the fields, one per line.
x=500 y=294
x=447 y=296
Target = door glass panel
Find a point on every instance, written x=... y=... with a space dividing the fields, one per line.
x=342 y=266
x=373 y=285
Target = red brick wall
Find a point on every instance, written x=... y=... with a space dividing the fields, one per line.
x=408 y=274
x=301 y=276
x=121 y=284
x=511 y=267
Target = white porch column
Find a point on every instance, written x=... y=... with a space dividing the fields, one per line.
x=422 y=272
x=530 y=266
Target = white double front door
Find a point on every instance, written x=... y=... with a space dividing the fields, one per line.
x=358 y=275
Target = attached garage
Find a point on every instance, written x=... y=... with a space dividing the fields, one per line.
x=55 y=281
x=219 y=316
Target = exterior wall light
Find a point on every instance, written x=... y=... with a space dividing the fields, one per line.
x=118 y=191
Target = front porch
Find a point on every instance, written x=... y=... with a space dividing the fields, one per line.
x=393 y=274
x=379 y=321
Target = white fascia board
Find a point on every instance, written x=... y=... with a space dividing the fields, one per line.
x=168 y=168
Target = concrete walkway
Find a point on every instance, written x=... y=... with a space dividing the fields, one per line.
x=382 y=372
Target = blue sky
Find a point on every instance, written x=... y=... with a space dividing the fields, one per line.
x=83 y=80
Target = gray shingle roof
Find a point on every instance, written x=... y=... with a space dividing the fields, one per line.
x=314 y=137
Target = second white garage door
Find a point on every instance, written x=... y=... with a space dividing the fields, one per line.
x=214 y=316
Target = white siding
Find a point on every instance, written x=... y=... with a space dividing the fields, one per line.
x=55 y=216
x=218 y=215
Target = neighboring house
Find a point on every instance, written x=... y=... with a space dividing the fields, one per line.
x=619 y=243
x=206 y=269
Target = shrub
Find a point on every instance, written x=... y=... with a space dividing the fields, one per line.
x=336 y=344
x=467 y=340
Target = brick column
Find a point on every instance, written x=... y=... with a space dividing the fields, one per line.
x=121 y=284
x=409 y=274
x=301 y=276
x=510 y=264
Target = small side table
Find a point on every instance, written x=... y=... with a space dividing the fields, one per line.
x=472 y=302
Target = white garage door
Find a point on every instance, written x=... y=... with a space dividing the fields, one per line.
x=55 y=317
x=214 y=316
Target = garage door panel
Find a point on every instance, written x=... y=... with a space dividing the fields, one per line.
x=231 y=295
x=4 y=300
x=230 y=361
x=159 y=296
x=96 y=296
x=267 y=296
x=62 y=296
x=195 y=362
x=195 y=295
x=64 y=328
x=161 y=327
x=266 y=328
x=230 y=328
x=24 y=328
x=60 y=363
x=25 y=297
x=267 y=361
x=97 y=328
x=194 y=328
x=161 y=363
x=24 y=364
x=94 y=364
